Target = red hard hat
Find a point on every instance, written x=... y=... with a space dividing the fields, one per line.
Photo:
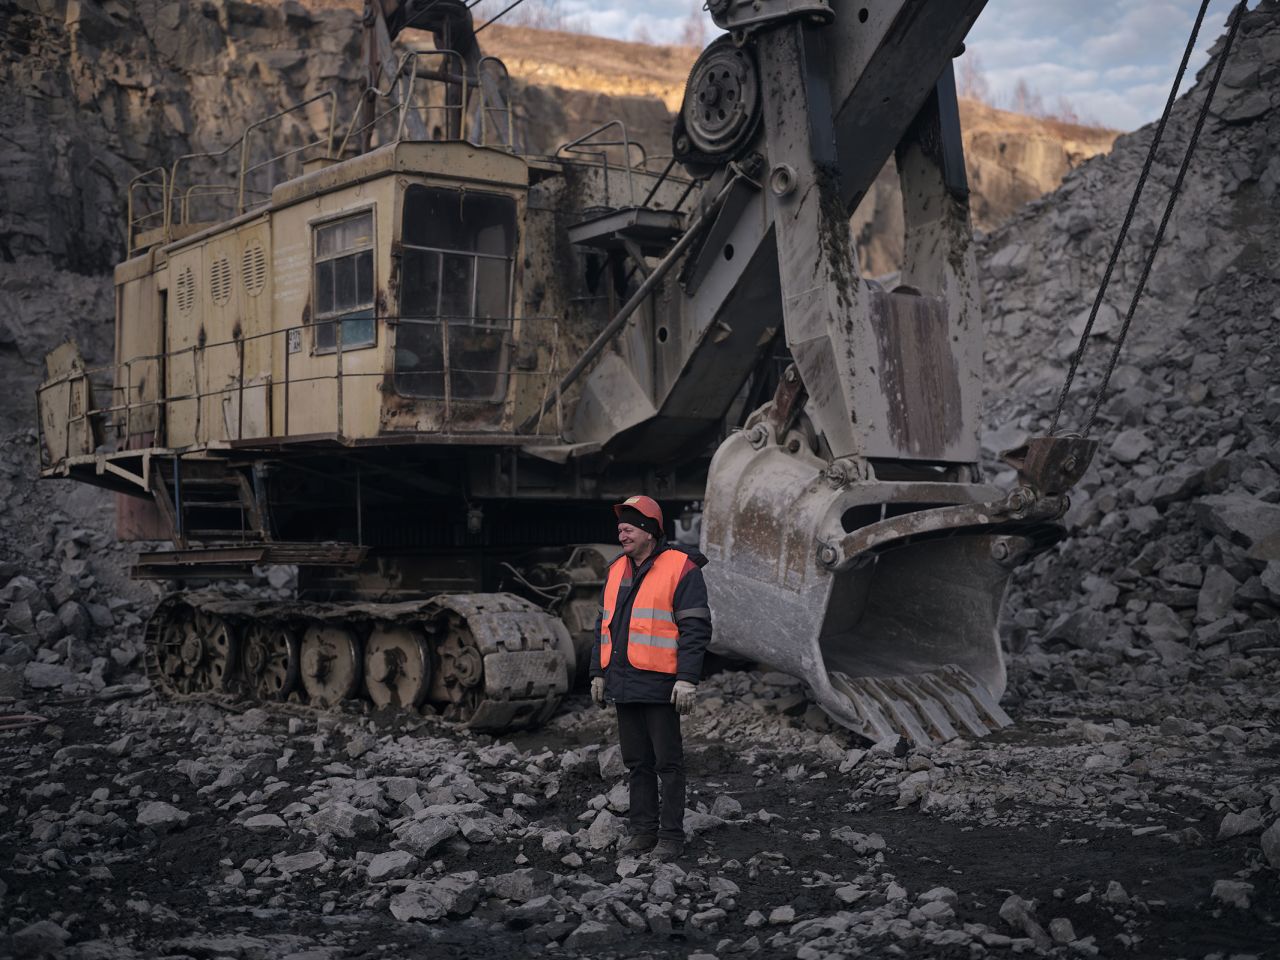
x=645 y=505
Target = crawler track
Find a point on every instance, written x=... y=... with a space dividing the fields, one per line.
x=494 y=661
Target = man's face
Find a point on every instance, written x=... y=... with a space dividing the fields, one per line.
x=634 y=540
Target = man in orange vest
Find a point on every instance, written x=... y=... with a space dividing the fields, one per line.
x=651 y=636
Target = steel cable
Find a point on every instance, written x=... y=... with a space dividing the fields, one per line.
x=1128 y=217
x=1168 y=212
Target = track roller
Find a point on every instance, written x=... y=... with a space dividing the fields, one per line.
x=330 y=664
x=397 y=666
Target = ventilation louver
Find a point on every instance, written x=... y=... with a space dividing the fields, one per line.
x=253 y=268
x=220 y=281
x=186 y=290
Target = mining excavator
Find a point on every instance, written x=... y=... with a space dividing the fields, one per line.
x=414 y=361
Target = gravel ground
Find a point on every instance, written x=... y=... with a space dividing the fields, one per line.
x=135 y=828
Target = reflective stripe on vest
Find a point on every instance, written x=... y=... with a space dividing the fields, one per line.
x=653 y=636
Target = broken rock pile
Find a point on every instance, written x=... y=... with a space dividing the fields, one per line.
x=1172 y=571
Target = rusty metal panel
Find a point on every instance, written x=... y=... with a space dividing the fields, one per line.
x=886 y=379
x=64 y=402
x=248 y=411
x=515 y=350
x=138 y=518
x=1051 y=465
x=903 y=640
x=315 y=390
x=458 y=161
x=218 y=355
x=886 y=67
x=918 y=374
x=139 y=343
x=184 y=333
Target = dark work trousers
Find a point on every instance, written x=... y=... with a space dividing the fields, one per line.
x=649 y=735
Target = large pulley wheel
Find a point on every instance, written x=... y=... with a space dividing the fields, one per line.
x=459 y=682
x=721 y=107
x=397 y=666
x=330 y=664
x=197 y=652
x=272 y=661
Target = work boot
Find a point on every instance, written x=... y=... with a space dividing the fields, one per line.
x=667 y=850
x=635 y=846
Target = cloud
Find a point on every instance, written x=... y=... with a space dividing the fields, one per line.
x=1114 y=62
x=661 y=20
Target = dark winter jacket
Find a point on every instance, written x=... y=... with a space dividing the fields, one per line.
x=627 y=684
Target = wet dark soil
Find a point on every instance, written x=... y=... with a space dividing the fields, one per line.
x=167 y=886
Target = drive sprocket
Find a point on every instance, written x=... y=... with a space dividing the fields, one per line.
x=272 y=660
x=191 y=650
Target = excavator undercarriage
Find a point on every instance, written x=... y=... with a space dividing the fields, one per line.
x=493 y=661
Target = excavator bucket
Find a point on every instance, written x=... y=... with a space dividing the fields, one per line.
x=882 y=596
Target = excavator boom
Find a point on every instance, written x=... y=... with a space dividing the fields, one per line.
x=850 y=542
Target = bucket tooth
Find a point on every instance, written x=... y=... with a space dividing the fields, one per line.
x=931 y=707
x=956 y=702
x=877 y=724
x=907 y=689
x=979 y=695
x=960 y=705
x=904 y=716
x=890 y=715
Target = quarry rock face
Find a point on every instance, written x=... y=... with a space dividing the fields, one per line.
x=97 y=93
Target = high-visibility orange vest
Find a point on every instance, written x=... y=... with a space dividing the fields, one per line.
x=653 y=636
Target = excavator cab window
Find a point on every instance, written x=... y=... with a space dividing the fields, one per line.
x=457 y=250
x=343 y=283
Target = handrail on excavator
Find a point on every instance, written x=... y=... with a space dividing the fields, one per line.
x=586 y=140
x=504 y=88
x=196 y=191
x=462 y=78
x=213 y=155
x=122 y=406
x=409 y=62
x=245 y=169
x=454 y=70
x=142 y=181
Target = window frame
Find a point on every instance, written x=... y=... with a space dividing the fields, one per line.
x=363 y=312
x=442 y=252
x=473 y=319
x=504 y=323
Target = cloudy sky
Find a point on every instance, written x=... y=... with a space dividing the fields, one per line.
x=1110 y=61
